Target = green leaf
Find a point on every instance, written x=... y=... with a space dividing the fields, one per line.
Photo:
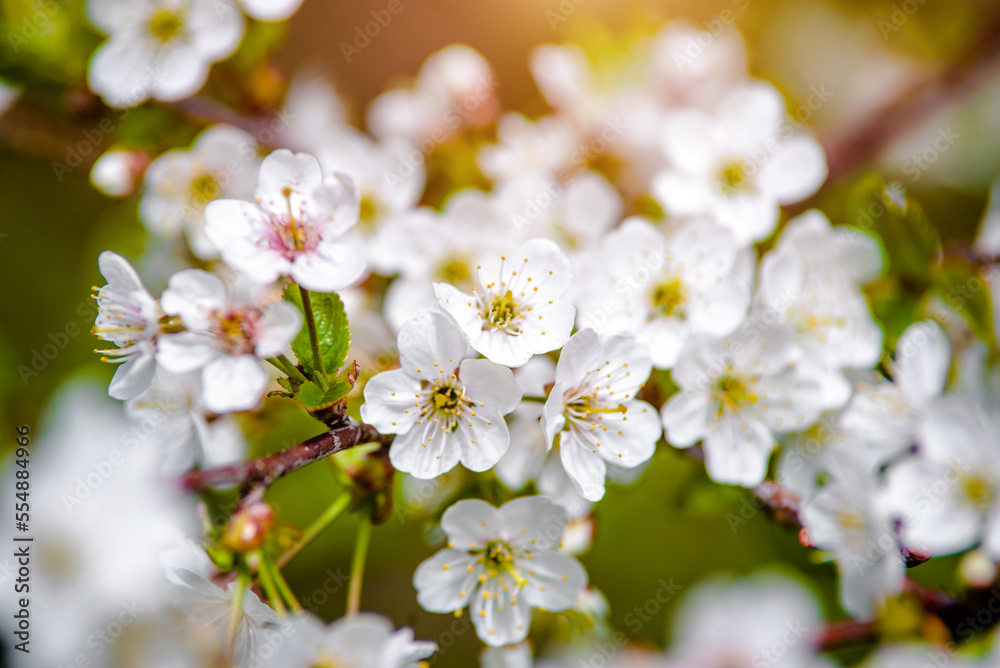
x=912 y=242
x=331 y=330
x=312 y=397
x=960 y=285
x=289 y=384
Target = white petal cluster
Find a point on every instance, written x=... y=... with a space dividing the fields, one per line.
x=221 y=164
x=546 y=305
x=365 y=640
x=501 y=563
x=294 y=227
x=129 y=317
x=594 y=410
x=518 y=307
x=228 y=330
x=159 y=49
x=736 y=394
x=163 y=49
x=445 y=406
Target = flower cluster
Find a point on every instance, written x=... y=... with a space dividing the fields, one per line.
x=630 y=286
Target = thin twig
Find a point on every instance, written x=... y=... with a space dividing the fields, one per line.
x=857 y=144
x=260 y=473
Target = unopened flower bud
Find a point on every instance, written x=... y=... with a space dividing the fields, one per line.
x=248 y=528
x=117 y=171
x=977 y=569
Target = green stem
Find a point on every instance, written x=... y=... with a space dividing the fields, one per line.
x=283 y=364
x=358 y=565
x=270 y=589
x=282 y=585
x=313 y=336
x=317 y=526
x=236 y=608
x=534 y=400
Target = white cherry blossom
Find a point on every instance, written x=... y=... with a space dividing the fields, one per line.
x=851 y=517
x=574 y=213
x=501 y=563
x=889 y=413
x=159 y=48
x=106 y=517
x=738 y=164
x=763 y=620
x=454 y=90
x=529 y=457
x=129 y=317
x=541 y=149
x=364 y=640
x=518 y=307
x=735 y=394
x=812 y=279
x=594 y=410
x=444 y=407
x=222 y=163
x=173 y=407
x=946 y=494
x=229 y=329
x=665 y=287
x=295 y=226
x=207 y=610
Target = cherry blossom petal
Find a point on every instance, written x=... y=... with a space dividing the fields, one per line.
x=491 y=384
x=233 y=383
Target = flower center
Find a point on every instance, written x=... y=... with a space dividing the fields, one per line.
x=734 y=176
x=669 y=298
x=498 y=558
x=204 y=189
x=733 y=393
x=977 y=491
x=454 y=270
x=498 y=554
x=59 y=558
x=850 y=520
x=235 y=330
x=446 y=402
x=291 y=238
x=503 y=310
x=369 y=211
x=165 y=25
x=324 y=660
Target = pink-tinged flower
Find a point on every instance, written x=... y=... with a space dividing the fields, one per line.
x=128 y=317
x=228 y=331
x=294 y=227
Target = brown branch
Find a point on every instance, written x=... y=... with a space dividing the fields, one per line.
x=853 y=147
x=257 y=474
x=836 y=635
x=204 y=110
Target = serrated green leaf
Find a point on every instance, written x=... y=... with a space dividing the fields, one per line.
x=912 y=242
x=312 y=397
x=331 y=329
